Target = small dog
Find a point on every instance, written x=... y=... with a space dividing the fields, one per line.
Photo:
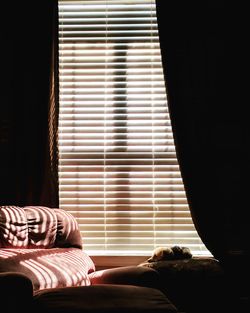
x=173 y=253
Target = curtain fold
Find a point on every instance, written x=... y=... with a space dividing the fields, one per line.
x=204 y=124
x=29 y=103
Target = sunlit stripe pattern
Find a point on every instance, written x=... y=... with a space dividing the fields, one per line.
x=68 y=233
x=118 y=171
x=13 y=227
x=42 y=226
x=38 y=227
x=49 y=268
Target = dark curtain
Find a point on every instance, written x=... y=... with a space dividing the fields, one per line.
x=28 y=103
x=209 y=120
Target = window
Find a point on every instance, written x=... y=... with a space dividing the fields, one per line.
x=118 y=170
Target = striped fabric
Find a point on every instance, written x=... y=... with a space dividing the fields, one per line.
x=37 y=227
x=13 y=227
x=42 y=227
x=49 y=268
x=45 y=245
x=68 y=234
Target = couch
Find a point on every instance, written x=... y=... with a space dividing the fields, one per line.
x=43 y=267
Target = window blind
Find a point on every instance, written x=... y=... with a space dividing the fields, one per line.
x=118 y=171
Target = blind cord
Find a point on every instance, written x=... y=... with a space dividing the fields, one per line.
x=105 y=127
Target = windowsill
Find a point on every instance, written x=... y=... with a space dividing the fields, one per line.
x=110 y=261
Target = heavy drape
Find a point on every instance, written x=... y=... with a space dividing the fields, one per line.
x=210 y=133
x=28 y=103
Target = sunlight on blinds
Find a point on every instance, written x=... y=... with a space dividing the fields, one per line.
x=118 y=171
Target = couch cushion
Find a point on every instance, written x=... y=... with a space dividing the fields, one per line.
x=127 y=275
x=38 y=227
x=103 y=299
x=13 y=227
x=49 y=268
x=42 y=226
x=68 y=234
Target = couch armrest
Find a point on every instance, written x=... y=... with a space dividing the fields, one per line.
x=127 y=275
x=16 y=292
